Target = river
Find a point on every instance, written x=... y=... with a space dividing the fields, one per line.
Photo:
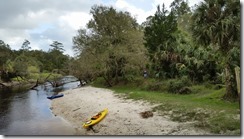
x=28 y=112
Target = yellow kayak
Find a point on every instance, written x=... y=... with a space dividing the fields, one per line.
x=95 y=119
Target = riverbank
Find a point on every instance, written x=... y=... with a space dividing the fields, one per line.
x=32 y=81
x=123 y=117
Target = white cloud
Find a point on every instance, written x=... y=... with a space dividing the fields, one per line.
x=75 y=20
x=42 y=21
x=13 y=37
x=140 y=14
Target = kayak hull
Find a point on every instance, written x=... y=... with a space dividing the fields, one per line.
x=93 y=121
x=55 y=96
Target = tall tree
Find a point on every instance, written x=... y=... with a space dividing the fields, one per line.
x=217 y=22
x=160 y=39
x=25 y=46
x=20 y=66
x=181 y=10
x=57 y=59
x=57 y=46
x=112 y=44
x=180 y=7
x=5 y=53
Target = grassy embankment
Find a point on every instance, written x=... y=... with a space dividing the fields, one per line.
x=204 y=105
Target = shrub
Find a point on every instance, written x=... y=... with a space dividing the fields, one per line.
x=180 y=86
x=139 y=81
x=155 y=86
x=185 y=90
x=33 y=69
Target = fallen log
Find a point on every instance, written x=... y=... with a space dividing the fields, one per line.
x=3 y=85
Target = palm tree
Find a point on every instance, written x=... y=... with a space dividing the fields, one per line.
x=217 y=22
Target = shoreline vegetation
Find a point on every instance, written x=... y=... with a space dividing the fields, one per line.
x=32 y=81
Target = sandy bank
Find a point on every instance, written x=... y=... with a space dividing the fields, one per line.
x=123 y=117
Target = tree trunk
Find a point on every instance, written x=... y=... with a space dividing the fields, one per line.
x=231 y=93
x=33 y=87
x=47 y=77
x=238 y=82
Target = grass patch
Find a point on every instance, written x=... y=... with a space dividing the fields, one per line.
x=224 y=123
x=204 y=105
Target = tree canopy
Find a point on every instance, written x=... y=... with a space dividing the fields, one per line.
x=112 y=45
x=14 y=63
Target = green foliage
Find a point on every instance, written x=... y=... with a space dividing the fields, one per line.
x=57 y=46
x=21 y=65
x=111 y=47
x=33 y=69
x=180 y=7
x=224 y=123
x=160 y=41
x=168 y=46
x=5 y=54
x=186 y=57
x=56 y=57
x=155 y=86
x=25 y=46
x=217 y=22
x=179 y=85
x=28 y=63
x=159 y=30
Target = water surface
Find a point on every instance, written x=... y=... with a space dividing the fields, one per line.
x=28 y=112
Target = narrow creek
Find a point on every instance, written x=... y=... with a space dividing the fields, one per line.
x=28 y=112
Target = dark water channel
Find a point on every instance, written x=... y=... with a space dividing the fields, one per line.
x=28 y=112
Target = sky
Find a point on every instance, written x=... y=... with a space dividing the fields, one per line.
x=44 y=21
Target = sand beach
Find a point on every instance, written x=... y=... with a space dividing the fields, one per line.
x=123 y=116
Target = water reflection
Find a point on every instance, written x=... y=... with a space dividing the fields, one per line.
x=28 y=112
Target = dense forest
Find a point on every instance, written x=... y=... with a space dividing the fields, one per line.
x=27 y=64
x=186 y=45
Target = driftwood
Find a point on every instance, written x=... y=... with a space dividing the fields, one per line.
x=76 y=109
x=3 y=85
x=55 y=83
x=33 y=87
x=6 y=85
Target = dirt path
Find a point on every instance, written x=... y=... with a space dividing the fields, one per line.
x=123 y=117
